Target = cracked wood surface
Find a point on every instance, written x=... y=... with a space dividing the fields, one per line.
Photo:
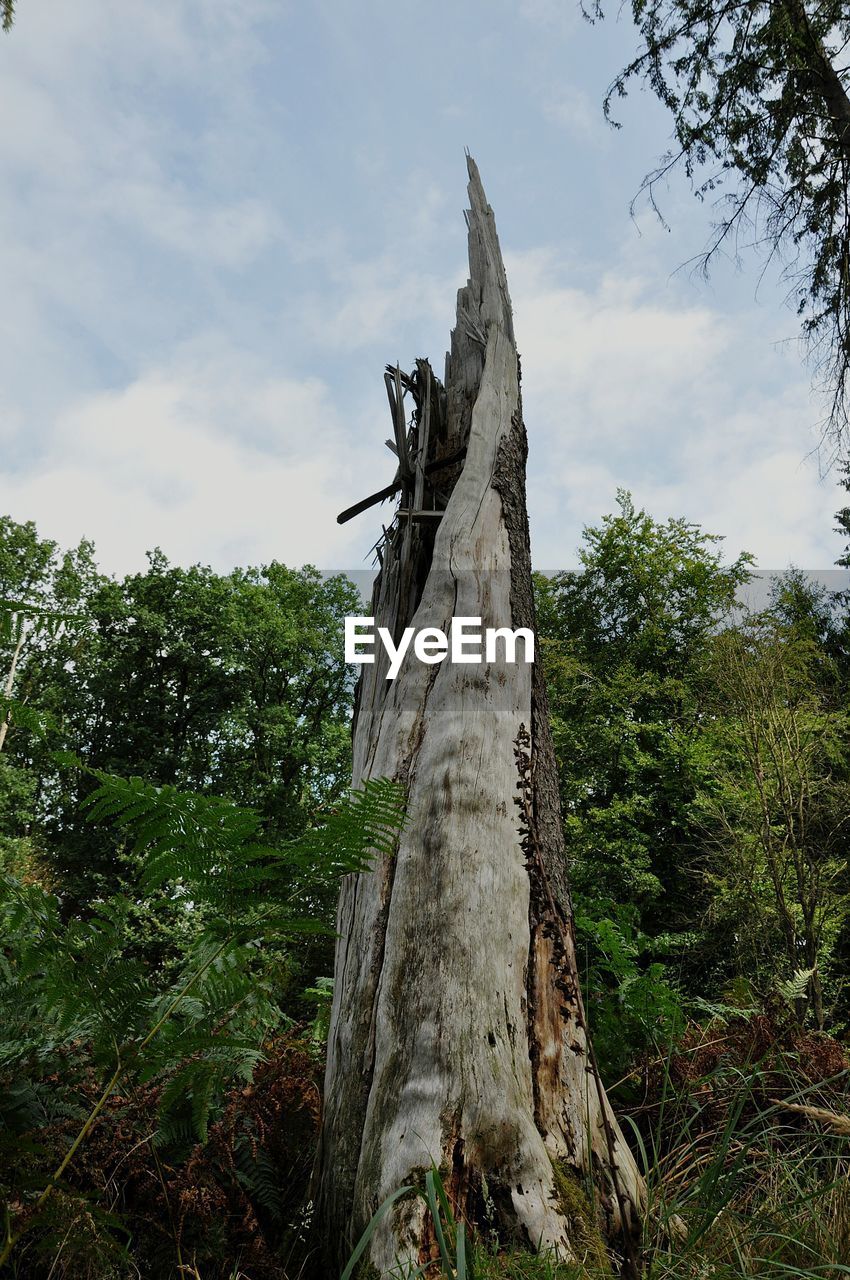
x=456 y=1034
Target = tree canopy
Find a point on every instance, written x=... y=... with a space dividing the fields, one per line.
x=226 y=683
x=704 y=754
x=758 y=92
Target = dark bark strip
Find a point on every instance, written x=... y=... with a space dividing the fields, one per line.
x=550 y=910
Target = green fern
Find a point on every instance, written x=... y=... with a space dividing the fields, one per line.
x=258 y=1175
x=20 y=617
x=76 y=985
x=321 y=993
x=186 y=1103
x=797 y=987
x=210 y=847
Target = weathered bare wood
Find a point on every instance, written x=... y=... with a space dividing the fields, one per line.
x=395 y=396
x=450 y=460
x=422 y=454
x=421 y=516
x=389 y=491
x=457 y=1031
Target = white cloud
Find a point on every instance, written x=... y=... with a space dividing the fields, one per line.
x=105 y=140
x=229 y=234
x=578 y=115
x=550 y=14
x=375 y=302
x=606 y=352
x=630 y=386
x=216 y=457
x=206 y=460
x=148 y=42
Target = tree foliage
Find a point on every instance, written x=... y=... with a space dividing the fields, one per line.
x=73 y=996
x=625 y=644
x=232 y=684
x=703 y=755
x=758 y=92
x=776 y=809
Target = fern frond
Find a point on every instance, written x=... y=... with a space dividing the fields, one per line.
x=182 y=836
x=194 y=1085
x=210 y=846
x=258 y=1175
x=14 y=613
x=796 y=987
x=366 y=822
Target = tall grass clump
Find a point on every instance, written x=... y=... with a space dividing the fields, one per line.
x=744 y=1134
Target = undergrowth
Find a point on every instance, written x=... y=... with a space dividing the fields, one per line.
x=744 y=1133
x=745 y=1138
x=742 y=1128
x=131 y=1106
x=170 y=1133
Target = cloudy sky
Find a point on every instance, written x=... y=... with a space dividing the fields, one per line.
x=218 y=221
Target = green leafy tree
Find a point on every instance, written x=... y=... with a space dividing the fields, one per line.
x=625 y=643
x=227 y=684
x=776 y=808
x=42 y=601
x=233 y=684
x=42 y=592
x=758 y=93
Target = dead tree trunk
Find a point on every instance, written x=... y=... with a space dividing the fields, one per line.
x=457 y=1032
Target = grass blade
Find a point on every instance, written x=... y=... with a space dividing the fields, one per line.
x=370 y=1231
